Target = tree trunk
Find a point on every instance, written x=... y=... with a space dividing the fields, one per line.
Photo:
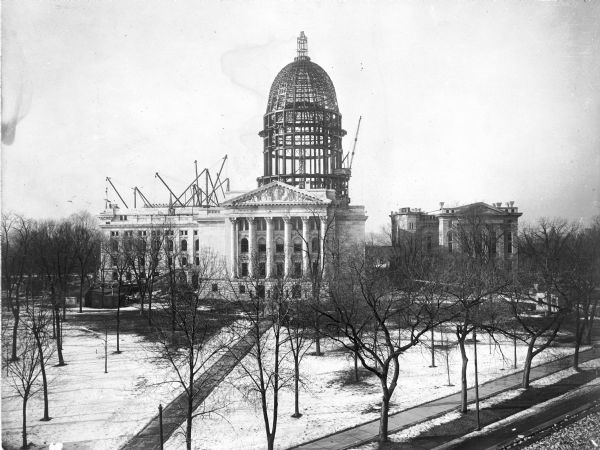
x=296 y=388
x=432 y=349
x=150 y=306
x=14 y=356
x=118 y=315
x=81 y=291
x=527 y=366
x=25 y=398
x=190 y=411
x=270 y=441
x=44 y=380
x=383 y=418
x=356 y=363
x=61 y=361
x=317 y=336
x=463 y=376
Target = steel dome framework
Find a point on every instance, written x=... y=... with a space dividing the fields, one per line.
x=302 y=134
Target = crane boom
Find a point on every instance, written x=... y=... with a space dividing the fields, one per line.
x=117 y=192
x=355 y=140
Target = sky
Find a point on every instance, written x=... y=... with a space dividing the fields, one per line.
x=461 y=101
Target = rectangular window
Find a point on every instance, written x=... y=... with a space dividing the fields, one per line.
x=197 y=261
x=297 y=247
x=262 y=247
x=262 y=269
x=242 y=288
x=215 y=287
x=280 y=269
x=509 y=242
x=297 y=270
x=279 y=247
x=244 y=269
x=195 y=232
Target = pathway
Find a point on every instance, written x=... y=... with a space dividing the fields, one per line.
x=368 y=431
x=174 y=414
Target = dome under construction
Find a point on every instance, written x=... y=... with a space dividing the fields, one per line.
x=302 y=134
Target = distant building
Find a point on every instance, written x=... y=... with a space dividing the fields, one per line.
x=474 y=227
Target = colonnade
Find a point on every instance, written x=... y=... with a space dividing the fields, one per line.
x=252 y=255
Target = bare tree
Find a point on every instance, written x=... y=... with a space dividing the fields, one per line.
x=16 y=263
x=38 y=322
x=543 y=266
x=366 y=308
x=87 y=240
x=119 y=251
x=262 y=323
x=183 y=329
x=24 y=372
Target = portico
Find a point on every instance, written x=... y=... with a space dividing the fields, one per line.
x=278 y=231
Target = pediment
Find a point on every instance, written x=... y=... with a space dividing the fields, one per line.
x=480 y=209
x=277 y=193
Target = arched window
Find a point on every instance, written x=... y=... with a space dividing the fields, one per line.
x=262 y=245
x=170 y=245
x=315 y=245
x=244 y=245
x=184 y=245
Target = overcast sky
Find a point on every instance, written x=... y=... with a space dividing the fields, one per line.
x=461 y=101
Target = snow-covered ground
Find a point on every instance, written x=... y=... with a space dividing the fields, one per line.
x=416 y=430
x=95 y=409
x=328 y=404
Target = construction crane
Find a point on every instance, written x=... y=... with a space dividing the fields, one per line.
x=349 y=158
x=116 y=191
x=137 y=191
x=355 y=140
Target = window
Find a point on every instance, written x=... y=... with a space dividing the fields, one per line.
x=261 y=224
x=315 y=267
x=195 y=232
x=297 y=270
x=141 y=233
x=113 y=260
x=297 y=224
x=215 y=287
x=449 y=241
x=195 y=283
x=297 y=246
x=244 y=269
x=244 y=245
x=262 y=269
x=278 y=224
x=114 y=233
x=170 y=261
x=170 y=245
x=122 y=217
x=129 y=233
x=243 y=224
x=278 y=246
x=182 y=232
x=492 y=242
x=114 y=245
x=315 y=246
x=197 y=245
x=262 y=246
x=115 y=276
x=280 y=268
x=197 y=260
x=428 y=243
x=508 y=242
x=260 y=291
x=184 y=261
x=315 y=224
x=184 y=245
x=242 y=288
x=296 y=291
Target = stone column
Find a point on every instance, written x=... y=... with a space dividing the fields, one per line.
x=190 y=250
x=305 y=248
x=287 y=245
x=323 y=231
x=233 y=250
x=269 y=265
x=251 y=248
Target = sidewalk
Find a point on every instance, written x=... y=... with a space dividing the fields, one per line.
x=368 y=431
x=174 y=414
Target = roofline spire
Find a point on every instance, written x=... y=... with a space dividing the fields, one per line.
x=302 y=48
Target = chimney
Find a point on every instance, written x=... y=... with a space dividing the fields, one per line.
x=441 y=205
